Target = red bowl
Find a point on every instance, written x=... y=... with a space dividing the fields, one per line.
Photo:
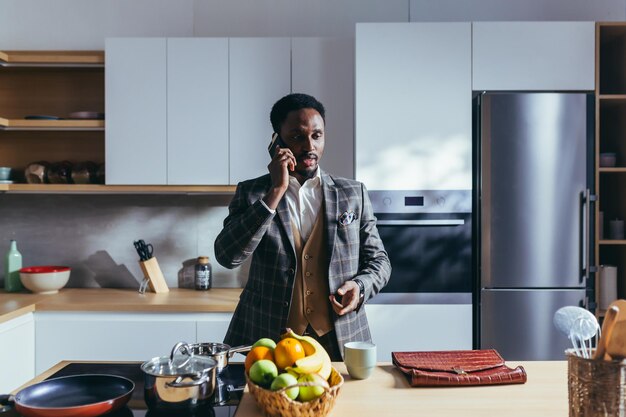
x=46 y=279
x=44 y=269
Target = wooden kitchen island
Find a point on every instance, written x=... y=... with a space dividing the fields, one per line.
x=387 y=393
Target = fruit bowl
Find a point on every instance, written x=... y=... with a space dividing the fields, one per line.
x=45 y=279
x=278 y=404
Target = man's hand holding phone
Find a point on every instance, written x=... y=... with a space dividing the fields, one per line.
x=346 y=299
x=282 y=162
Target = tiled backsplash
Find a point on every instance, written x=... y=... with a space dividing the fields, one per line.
x=94 y=235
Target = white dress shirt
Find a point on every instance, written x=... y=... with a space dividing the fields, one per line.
x=304 y=203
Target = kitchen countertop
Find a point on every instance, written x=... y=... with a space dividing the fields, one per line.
x=177 y=300
x=387 y=392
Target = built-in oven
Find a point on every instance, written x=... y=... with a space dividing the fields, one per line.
x=428 y=236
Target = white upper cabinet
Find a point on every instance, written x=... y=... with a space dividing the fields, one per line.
x=414 y=106
x=324 y=68
x=136 y=118
x=260 y=74
x=533 y=56
x=197 y=111
x=167 y=111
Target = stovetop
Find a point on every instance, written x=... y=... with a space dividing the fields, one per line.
x=225 y=400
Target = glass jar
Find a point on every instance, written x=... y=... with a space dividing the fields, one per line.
x=203 y=276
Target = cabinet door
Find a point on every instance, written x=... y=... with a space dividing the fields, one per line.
x=197 y=111
x=414 y=106
x=136 y=126
x=17 y=352
x=432 y=327
x=259 y=75
x=108 y=336
x=212 y=327
x=533 y=56
x=324 y=68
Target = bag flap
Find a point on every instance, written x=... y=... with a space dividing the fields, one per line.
x=454 y=361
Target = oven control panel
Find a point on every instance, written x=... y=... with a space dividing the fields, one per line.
x=422 y=201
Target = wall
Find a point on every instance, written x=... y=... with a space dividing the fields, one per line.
x=84 y=24
x=94 y=234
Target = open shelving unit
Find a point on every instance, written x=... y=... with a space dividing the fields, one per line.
x=610 y=137
x=51 y=83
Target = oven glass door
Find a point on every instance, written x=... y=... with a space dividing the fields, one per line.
x=429 y=253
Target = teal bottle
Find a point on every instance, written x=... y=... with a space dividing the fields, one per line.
x=12 y=266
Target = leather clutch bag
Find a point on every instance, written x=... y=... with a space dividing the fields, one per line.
x=457 y=368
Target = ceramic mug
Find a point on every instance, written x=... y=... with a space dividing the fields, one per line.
x=360 y=359
x=5 y=173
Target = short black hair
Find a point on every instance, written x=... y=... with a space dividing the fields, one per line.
x=291 y=102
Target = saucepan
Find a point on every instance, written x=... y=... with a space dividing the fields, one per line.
x=86 y=395
x=179 y=382
x=221 y=352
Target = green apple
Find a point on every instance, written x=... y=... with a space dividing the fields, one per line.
x=285 y=380
x=314 y=391
x=263 y=372
x=266 y=341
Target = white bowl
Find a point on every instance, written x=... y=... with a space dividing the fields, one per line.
x=45 y=279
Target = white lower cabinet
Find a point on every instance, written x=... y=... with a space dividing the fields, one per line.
x=108 y=336
x=212 y=327
x=119 y=336
x=397 y=328
x=17 y=352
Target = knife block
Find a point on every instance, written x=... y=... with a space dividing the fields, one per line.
x=153 y=274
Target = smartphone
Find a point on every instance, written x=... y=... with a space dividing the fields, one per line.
x=276 y=140
x=338 y=298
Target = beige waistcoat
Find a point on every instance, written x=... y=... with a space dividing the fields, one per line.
x=309 y=302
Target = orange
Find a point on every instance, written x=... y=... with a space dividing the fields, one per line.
x=258 y=353
x=287 y=352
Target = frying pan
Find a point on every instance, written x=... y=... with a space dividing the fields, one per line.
x=72 y=396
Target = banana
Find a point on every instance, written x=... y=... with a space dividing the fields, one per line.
x=316 y=359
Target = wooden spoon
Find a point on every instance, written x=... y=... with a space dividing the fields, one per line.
x=607 y=330
x=616 y=343
x=621 y=304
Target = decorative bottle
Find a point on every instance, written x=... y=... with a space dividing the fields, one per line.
x=203 y=274
x=12 y=266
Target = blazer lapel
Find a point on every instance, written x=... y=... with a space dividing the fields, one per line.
x=330 y=211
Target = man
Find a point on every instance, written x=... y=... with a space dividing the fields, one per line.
x=316 y=252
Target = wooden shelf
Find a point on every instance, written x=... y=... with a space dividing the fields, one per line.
x=117 y=189
x=24 y=124
x=612 y=242
x=612 y=169
x=52 y=58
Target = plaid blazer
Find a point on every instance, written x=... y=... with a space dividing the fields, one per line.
x=354 y=250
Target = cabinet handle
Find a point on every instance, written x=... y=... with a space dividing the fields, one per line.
x=434 y=222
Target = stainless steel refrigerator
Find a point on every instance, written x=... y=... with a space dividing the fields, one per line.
x=535 y=177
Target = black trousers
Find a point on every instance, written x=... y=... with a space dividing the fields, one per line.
x=329 y=342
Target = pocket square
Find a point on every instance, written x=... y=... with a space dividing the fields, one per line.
x=347 y=217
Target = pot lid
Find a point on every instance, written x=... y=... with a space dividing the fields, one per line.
x=164 y=366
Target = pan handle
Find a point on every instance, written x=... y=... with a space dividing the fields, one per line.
x=7 y=403
x=239 y=349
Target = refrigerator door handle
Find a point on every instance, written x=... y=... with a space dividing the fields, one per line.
x=585 y=230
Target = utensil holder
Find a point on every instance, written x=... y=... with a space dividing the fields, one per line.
x=595 y=387
x=152 y=272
